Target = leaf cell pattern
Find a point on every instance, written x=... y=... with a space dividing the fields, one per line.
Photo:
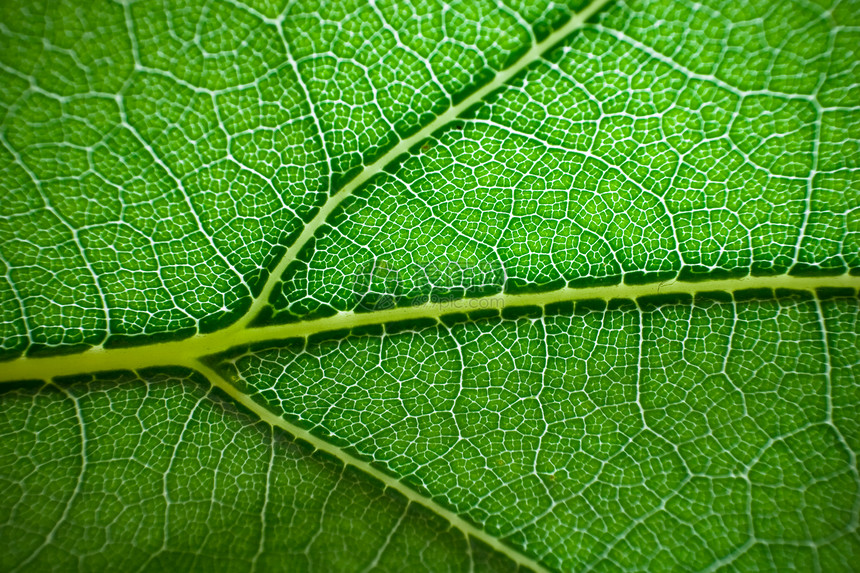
x=392 y=281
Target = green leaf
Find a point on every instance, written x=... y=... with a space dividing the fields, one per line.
x=430 y=286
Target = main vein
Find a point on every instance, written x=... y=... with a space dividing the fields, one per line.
x=181 y=351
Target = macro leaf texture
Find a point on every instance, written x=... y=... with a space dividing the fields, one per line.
x=451 y=286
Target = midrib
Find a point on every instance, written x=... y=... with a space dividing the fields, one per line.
x=180 y=352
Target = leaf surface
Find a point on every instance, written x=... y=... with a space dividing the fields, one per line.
x=456 y=286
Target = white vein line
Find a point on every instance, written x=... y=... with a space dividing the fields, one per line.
x=266 y=494
x=828 y=393
x=382 y=548
x=79 y=484
x=347 y=459
x=811 y=187
x=165 y=489
x=308 y=99
x=73 y=233
x=537 y=50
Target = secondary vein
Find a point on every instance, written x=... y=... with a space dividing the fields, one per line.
x=348 y=459
x=450 y=115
